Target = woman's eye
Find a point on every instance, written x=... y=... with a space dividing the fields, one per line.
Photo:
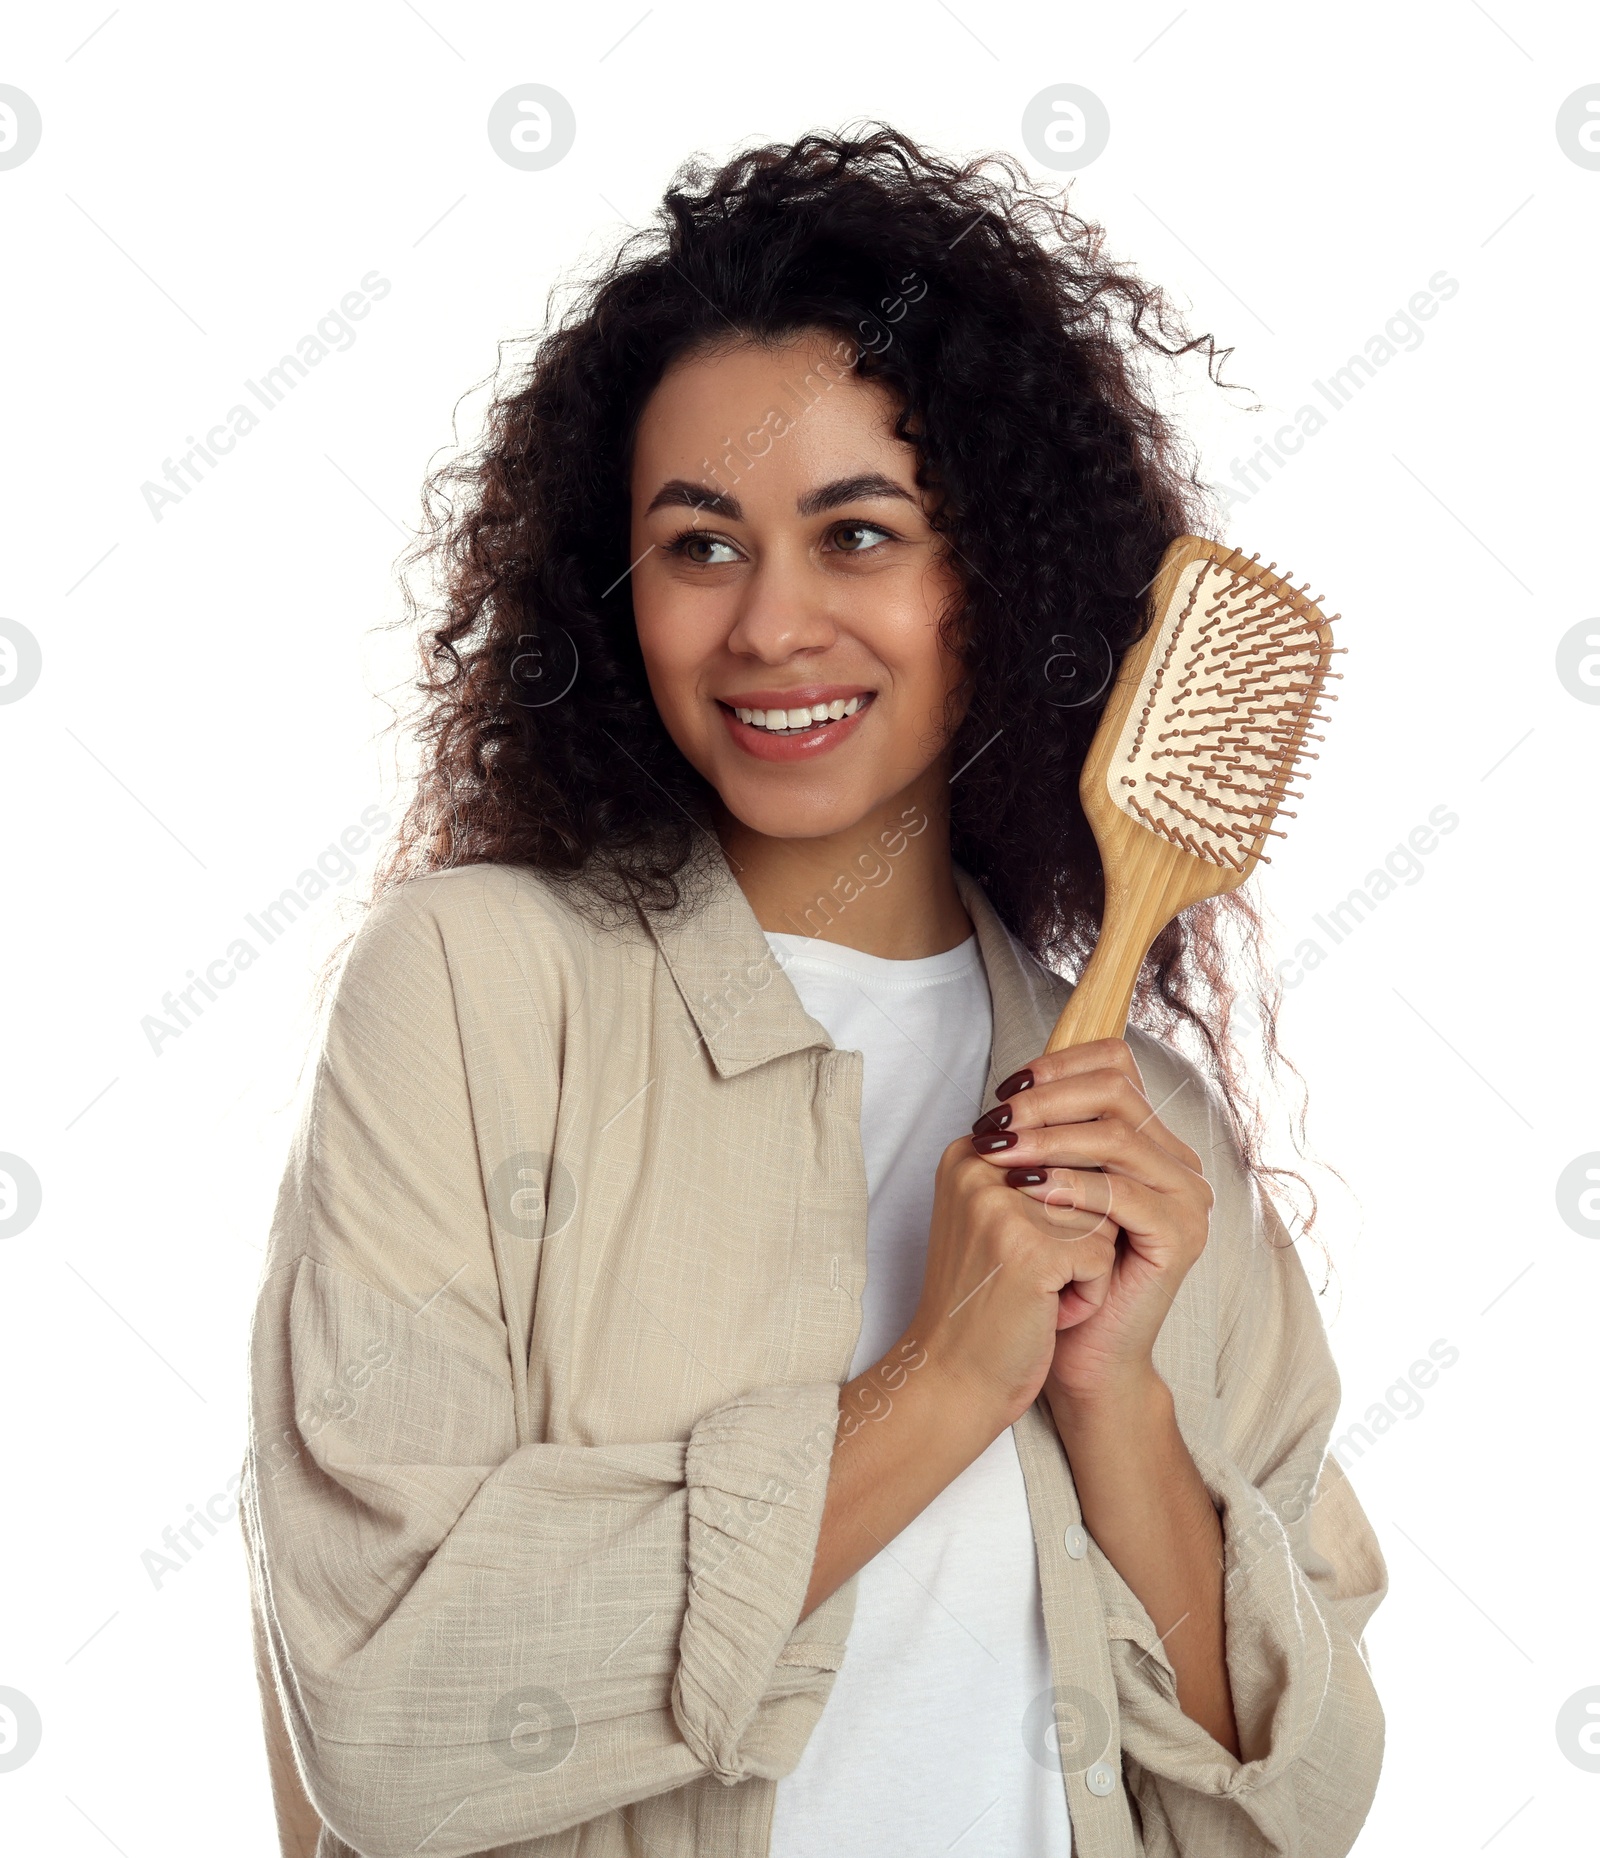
x=858 y=538
x=705 y=551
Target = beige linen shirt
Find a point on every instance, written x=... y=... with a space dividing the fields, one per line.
x=564 y=1276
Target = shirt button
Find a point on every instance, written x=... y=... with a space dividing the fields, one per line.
x=1077 y=1541
x=1101 y=1779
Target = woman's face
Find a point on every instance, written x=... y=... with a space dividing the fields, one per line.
x=784 y=561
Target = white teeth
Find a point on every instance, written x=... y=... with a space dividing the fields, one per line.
x=799 y=718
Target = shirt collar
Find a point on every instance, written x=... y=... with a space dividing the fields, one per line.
x=746 y=1008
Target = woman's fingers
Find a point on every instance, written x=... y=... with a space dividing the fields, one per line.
x=1078 y=1302
x=1088 y=1251
x=1098 y=1055
x=1090 y=1201
x=1108 y=1142
x=1089 y=1194
x=1066 y=1218
x=1080 y=1244
x=1083 y=1083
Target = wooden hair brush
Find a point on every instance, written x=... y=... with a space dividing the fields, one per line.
x=1205 y=728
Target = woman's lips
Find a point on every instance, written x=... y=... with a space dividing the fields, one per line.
x=804 y=745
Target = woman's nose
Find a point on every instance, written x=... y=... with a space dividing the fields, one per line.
x=785 y=609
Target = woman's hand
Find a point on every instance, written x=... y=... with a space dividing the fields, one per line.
x=1004 y=1271
x=1081 y=1137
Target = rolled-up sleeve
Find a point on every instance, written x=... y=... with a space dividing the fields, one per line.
x=476 y=1639
x=1302 y=1575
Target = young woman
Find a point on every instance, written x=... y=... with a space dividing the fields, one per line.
x=717 y=1387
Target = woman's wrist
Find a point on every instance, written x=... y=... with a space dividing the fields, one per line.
x=962 y=1417
x=1133 y=1401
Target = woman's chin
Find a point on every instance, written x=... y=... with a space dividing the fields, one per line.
x=793 y=816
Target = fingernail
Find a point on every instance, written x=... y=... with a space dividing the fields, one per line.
x=992 y=1121
x=1018 y=1080
x=992 y=1144
x=1027 y=1177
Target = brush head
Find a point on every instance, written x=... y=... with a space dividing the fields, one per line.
x=1205 y=727
x=1213 y=711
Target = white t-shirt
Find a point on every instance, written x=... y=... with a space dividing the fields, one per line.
x=920 y=1747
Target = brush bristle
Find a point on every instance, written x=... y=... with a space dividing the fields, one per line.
x=1218 y=726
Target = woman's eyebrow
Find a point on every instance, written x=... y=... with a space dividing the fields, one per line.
x=847 y=490
x=679 y=491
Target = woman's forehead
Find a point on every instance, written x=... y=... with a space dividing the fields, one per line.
x=799 y=406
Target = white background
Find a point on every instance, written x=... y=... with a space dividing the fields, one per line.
x=209 y=718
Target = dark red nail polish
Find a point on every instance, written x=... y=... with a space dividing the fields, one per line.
x=1027 y=1177
x=1018 y=1080
x=992 y=1144
x=992 y=1121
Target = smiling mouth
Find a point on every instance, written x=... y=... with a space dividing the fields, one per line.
x=800 y=721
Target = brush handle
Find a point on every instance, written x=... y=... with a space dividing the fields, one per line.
x=1138 y=907
x=1099 y=1005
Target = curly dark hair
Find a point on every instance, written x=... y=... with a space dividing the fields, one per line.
x=1021 y=359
